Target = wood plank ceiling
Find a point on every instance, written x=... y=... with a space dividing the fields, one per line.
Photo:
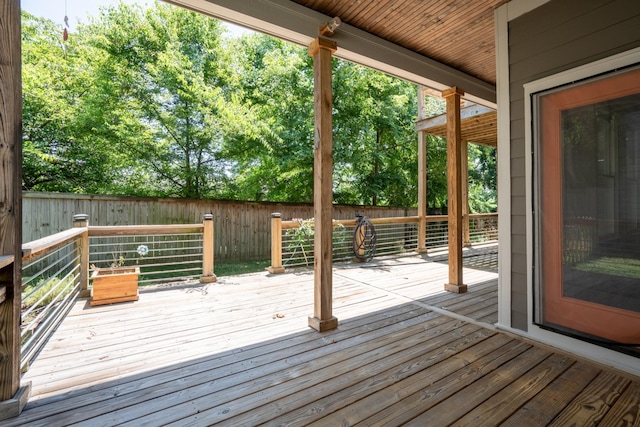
x=459 y=33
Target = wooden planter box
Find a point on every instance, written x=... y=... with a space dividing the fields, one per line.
x=111 y=285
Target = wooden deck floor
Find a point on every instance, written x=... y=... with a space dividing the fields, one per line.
x=238 y=352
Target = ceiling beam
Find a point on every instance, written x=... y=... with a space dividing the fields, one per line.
x=290 y=21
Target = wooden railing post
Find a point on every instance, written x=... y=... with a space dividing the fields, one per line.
x=82 y=249
x=207 y=251
x=276 y=244
x=362 y=232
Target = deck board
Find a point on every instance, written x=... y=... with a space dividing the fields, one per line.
x=239 y=352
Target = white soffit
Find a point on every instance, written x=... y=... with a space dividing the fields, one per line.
x=292 y=22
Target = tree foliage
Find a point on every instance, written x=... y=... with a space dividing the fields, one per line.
x=160 y=101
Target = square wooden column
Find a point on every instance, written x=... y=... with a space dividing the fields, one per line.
x=454 y=188
x=422 y=193
x=13 y=397
x=321 y=49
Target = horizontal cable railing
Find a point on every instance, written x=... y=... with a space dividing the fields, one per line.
x=395 y=235
x=55 y=269
x=51 y=281
x=483 y=227
x=167 y=257
x=164 y=253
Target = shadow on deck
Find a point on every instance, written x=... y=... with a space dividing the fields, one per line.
x=239 y=352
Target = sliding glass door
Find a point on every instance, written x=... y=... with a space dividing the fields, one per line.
x=587 y=208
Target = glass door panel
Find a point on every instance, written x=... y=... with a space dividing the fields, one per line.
x=588 y=208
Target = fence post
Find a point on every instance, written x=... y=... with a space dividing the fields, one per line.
x=276 y=244
x=207 y=251
x=79 y=221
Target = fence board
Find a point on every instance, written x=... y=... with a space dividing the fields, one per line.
x=242 y=229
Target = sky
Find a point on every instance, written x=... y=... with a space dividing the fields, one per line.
x=79 y=10
x=76 y=10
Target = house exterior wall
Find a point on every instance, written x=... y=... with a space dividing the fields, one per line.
x=555 y=37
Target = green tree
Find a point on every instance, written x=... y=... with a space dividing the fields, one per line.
x=375 y=139
x=164 y=85
x=59 y=155
x=482 y=179
x=276 y=81
x=159 y=102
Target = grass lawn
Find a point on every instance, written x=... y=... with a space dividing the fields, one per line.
x=624 y=267
x=229 y=268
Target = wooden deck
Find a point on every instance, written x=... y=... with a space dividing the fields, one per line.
x=239 y=352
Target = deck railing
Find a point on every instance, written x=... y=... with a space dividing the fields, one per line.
x=292 y=240
x=56 y=268
x=51 y=281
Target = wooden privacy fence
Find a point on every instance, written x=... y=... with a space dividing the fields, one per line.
x=293 y=240
x=242 y=229
x=56 y=268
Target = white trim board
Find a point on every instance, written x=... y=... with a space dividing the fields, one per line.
x=504 y=167
x=608 y=357
x=503 y=15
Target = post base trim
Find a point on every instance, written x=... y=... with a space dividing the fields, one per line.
x=323 y=325
x=458 y=289
x=275 y=270
x=13 y=407
x=208 y=279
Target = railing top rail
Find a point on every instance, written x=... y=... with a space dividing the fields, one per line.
x=5 y=260
x=286 y=225
x=141 y=230
x=484 y=215
x=46 y=244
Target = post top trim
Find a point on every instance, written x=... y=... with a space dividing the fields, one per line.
x=322 y=43
x=452 y=91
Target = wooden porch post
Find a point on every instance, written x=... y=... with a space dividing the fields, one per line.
x=13 y=397
x=422 y=175
x=464 y=153
x=321 y=49
x=422 y=192
x=454 y=188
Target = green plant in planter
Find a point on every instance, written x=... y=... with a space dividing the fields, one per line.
x=119 y=259
x=301 y=239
